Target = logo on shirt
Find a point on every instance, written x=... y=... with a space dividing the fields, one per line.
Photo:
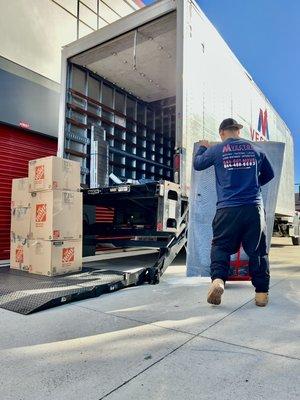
x=245 y=162
x=262 y=132
x=238 y=156
x=237 y=147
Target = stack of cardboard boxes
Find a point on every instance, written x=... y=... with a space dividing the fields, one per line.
x=53 y=244
x=20 y=224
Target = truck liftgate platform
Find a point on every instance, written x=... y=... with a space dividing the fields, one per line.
x=148 y=230
x=27 y=293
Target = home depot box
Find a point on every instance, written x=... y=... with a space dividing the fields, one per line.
x=53 y=173
x=56 y=214
x=20 y=196
x=20 y=222
x=52 y=257
x=19 y=254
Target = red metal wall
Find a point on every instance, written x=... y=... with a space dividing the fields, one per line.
x=17 y=147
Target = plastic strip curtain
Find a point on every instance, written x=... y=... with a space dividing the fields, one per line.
x=203 y=200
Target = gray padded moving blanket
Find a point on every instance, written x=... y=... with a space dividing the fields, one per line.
x=202 y=208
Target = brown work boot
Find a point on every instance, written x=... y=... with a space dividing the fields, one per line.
x=215 y=292
x=261 y=299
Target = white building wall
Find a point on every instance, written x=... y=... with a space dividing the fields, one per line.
x=33 y=31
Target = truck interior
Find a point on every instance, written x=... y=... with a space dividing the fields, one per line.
x=127 y=87
x=122 y=93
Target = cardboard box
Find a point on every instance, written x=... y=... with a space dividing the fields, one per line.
x=56 y=215
x=55 y=257
x=20 y=196
x=20 y=222
x=52 y=173
x=19 y=254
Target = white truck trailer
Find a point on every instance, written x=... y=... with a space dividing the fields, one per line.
x=138 y=93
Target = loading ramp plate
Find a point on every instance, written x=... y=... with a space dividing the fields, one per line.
x=26 y=293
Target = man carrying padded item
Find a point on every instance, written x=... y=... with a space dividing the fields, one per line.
x=241 y=169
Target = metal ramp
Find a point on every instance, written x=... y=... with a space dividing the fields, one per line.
x=26 y=293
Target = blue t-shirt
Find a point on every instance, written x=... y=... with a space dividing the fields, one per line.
x=240 y=169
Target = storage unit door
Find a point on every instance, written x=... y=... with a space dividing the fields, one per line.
x=17 y=147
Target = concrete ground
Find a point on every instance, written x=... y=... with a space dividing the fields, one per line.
x=161 y=342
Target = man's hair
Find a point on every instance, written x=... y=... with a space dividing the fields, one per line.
x=232 y=129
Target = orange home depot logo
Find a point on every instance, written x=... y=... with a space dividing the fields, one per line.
x=40 y=213
x=56 y=234
x=39 y=173
x=19 y=254
x=68 y=255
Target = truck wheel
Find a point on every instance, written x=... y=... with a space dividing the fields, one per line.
x=296 y=241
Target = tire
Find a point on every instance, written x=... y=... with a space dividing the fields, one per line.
x=296 y=241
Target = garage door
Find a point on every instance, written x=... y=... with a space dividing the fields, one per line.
x=17 y=147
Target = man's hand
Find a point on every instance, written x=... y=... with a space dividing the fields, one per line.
x=204 y=143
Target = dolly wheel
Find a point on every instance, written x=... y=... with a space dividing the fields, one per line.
x=296 y=241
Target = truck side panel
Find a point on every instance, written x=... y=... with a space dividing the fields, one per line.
x=216 y=86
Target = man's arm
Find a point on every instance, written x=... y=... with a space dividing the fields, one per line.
x=266 y=172
x=204 y=157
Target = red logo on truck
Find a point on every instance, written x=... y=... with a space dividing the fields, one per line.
x=262 y=132
x=68 y=255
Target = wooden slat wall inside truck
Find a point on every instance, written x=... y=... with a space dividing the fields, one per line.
x=17 y=147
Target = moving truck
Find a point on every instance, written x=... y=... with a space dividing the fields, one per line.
x=138 y=93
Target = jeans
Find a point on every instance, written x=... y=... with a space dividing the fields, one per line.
x=236 y=226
